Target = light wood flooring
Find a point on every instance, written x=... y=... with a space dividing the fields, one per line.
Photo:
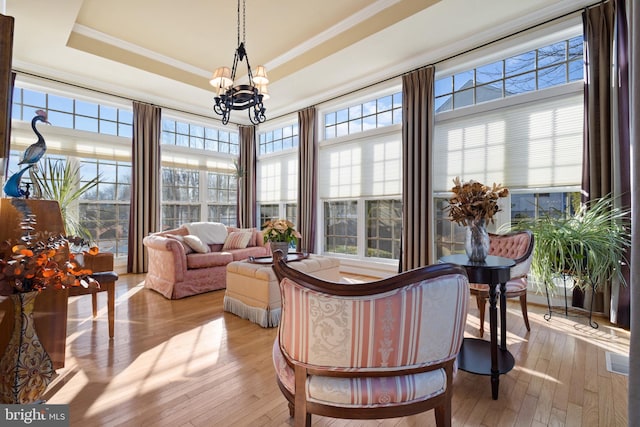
x=189 y=363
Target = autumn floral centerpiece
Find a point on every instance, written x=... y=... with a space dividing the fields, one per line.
x=473 y=204
x=280 y=230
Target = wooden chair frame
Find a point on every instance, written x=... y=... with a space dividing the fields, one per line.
x=300 y=409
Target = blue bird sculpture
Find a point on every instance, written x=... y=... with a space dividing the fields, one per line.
x=35 y=151
x=12 y=186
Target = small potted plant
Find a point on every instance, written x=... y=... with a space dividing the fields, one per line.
x=280 y=233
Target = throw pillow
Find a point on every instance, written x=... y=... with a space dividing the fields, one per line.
x=196 y=244
x=237 y=240
x=179 y=238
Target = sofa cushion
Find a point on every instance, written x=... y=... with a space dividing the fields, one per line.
x=237 y=240
x=208 y=232
x=187 y=249
x=212 y=259
x=196 y=243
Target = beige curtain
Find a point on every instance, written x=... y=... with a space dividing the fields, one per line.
x=417 y=140
x=634 y=283
x=606 y=162
x=247 y=182
x=307 y=179
x=144 y=215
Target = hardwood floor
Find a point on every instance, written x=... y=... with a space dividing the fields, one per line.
x=189 y=363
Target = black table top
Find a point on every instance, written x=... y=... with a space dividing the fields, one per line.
x=492 y=271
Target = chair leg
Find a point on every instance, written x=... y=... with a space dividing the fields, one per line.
x=481 y=302
x=443 y=415
x=523 y=306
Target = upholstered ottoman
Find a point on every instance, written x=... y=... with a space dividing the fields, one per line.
x=253 y=292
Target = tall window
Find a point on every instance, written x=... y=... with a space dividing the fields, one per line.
x=94 y=135
x=531 y=143
x=277 y=171
x=361 y=179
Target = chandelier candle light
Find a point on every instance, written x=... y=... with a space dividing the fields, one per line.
x=232 y=96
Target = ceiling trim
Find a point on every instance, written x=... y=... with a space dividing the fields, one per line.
x=342 y=26
x=101 y=37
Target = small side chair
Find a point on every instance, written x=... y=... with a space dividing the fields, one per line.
x=519 y=247
x=381 y=349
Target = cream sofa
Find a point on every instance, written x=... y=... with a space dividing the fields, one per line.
x=177 y=271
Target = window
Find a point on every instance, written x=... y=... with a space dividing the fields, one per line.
x=341 y=227
x=182 y=134
x=269 y=212
x=552 y=65
x=380 y=112
x=531 y=143
x=280 y=139
x=222 y=196
x=180 y=197
x=450 y=236
x=384 y=228
x=72 y=113
x=104 y=210
x=277 y=174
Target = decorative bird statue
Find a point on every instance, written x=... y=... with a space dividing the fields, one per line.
x=35 y=151
x=12 y=186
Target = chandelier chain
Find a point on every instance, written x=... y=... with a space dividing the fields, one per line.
x=244 y=21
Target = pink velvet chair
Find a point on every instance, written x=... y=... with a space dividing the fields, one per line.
x=519 y=247
x=380 y=349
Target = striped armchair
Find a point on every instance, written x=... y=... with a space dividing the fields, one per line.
x=380 y=349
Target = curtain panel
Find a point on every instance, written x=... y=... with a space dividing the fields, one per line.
x=144 y=217
x=246 y=207
x=606 y=161
x=417 y=139
x=307 y=179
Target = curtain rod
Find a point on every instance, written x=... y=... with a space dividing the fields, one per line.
x=458 y=54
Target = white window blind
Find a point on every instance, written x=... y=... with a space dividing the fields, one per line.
x=533 y=144
x=364 y=167
x=278 y=178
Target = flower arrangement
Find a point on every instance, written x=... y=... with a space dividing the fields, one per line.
x=36 y=263
x=473 y=201
x=280 y=230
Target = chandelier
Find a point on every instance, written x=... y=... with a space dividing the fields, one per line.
x=232 y=96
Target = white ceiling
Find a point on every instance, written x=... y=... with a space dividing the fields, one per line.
x=163 y=51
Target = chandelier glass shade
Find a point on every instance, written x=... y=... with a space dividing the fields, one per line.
x=231 y=95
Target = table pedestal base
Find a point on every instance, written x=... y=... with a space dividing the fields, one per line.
x=475 y=357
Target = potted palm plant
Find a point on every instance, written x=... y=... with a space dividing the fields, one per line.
x=58 y=180
x=590 y=246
